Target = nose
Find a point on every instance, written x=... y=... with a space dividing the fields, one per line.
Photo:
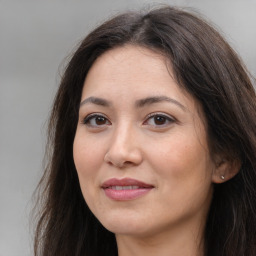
x=124 y=149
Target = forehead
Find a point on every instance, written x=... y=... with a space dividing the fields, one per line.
x=128 y=66
x=133 y=72
x=122 y=61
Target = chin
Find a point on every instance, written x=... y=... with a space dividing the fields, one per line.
x=124 y=224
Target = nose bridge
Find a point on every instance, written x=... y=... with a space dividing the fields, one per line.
x=123 y=137
x=124 y=147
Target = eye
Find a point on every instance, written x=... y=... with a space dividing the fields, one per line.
x=96 y=121
x=159 y=120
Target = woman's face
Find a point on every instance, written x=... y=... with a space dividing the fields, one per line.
x=140 y=147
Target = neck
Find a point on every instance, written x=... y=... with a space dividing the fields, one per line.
x=179 y=242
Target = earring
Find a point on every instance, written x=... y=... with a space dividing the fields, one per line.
x=222 y=177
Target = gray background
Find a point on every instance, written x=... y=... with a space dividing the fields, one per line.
x=35 y=38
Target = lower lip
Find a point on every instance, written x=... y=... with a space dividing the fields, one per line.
x=126 y=194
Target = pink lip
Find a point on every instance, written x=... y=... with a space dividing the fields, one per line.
x=111 y=191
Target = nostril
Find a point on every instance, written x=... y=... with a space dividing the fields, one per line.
x=128 y=163
x=119 y=164
x=123 y=158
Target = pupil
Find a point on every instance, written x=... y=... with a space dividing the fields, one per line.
x=100 y=120
x=159 y=120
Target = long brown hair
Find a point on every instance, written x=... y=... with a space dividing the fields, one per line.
x=206 y=67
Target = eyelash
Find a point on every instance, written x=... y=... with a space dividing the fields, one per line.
x=165 y=117
x=90 y=117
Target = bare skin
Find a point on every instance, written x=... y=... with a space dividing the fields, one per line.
x=136 y=122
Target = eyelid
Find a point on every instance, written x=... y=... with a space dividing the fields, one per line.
x=167 y=116
x=92 y=115
x=160 y=114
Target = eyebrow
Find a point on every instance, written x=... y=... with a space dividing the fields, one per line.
x=157 y=99
x=97 y=101
x=139 y=103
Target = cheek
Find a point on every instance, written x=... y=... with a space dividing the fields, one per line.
x=178 y=154
x=185 y=181
x=87 y=154
x=87 y=161
x=183 y=163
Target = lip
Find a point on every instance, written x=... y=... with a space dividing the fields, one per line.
x=125 y=189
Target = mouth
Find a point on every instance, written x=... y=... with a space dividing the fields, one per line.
x=125 y=189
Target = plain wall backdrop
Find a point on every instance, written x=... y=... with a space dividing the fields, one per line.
x=35 y=38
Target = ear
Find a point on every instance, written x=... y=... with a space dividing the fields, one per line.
x=225 y=170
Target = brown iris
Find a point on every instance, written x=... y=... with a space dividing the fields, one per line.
x=100 y=120
x=159 y=120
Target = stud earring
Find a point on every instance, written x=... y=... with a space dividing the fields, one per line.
x=222 y=177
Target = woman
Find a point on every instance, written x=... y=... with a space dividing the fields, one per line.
x=152 y=144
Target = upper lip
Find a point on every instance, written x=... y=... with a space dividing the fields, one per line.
x=125 y=182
